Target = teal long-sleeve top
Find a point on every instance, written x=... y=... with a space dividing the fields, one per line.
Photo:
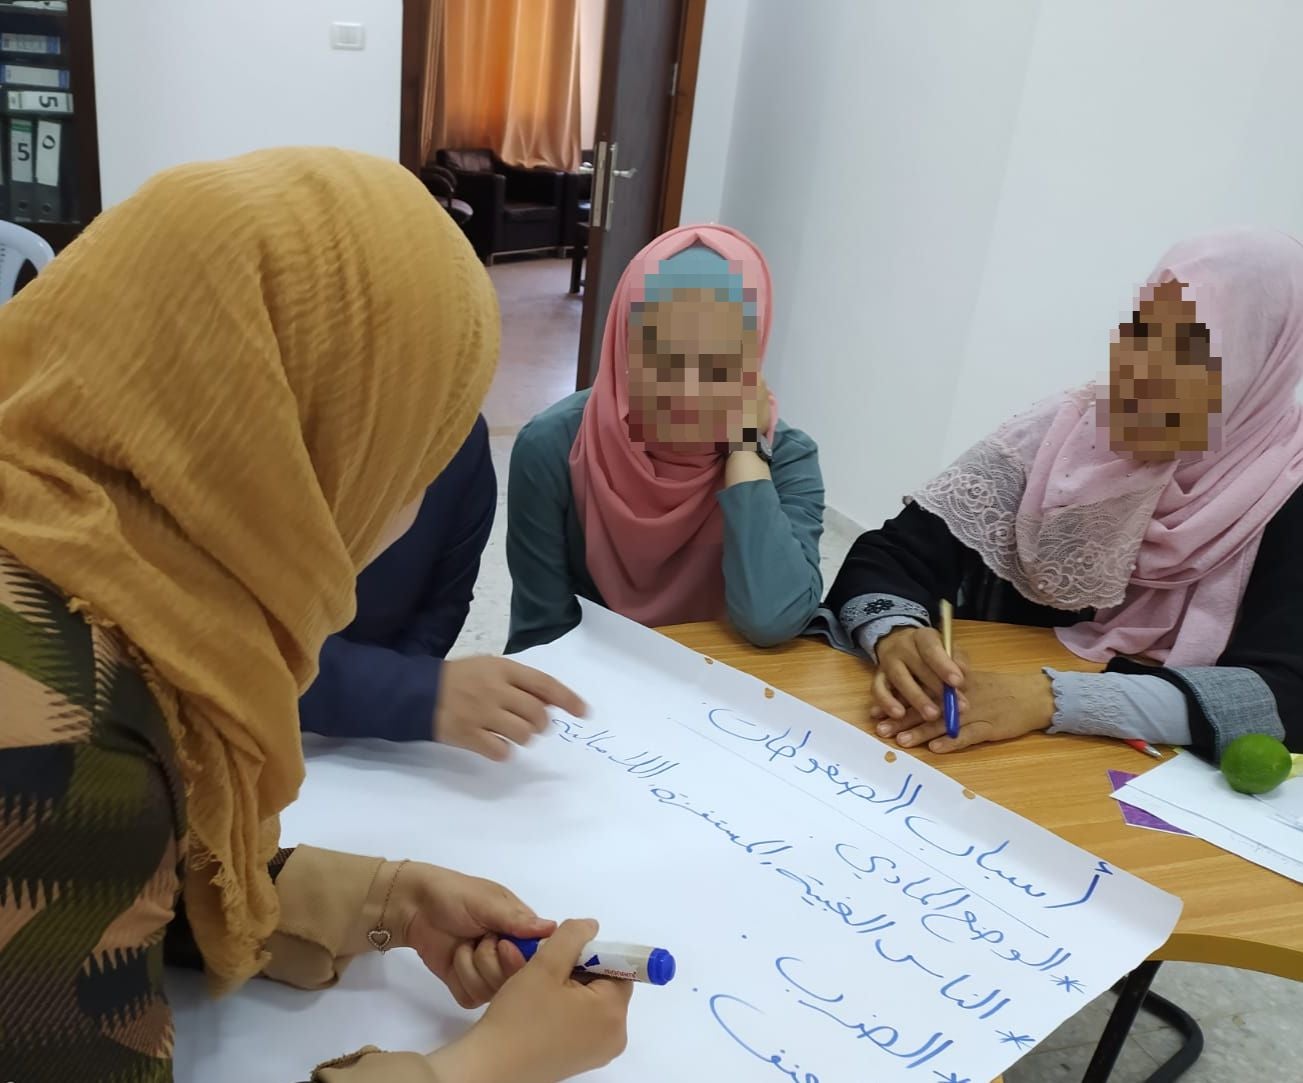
x=772 y=584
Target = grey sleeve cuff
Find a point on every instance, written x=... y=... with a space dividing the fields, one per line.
x=1234 y=701
x=868 y=635
x=864 y=620
x=1120 y=705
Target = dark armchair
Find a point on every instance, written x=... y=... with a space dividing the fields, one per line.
x=515 y=210
x=442 y=184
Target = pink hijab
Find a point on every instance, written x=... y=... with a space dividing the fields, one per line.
x=652 y=525
x=1162 y=551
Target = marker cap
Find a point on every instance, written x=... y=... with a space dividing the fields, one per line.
x=660 y=967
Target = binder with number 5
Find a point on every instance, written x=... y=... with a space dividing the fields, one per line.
x=22 y=166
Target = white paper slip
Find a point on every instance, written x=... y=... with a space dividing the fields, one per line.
x=33 y=44
x=1195 y=796
x=26 y=75
x=838 y=910
x=40 y=101
x=1285 y=803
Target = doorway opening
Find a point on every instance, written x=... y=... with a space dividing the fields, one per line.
x=608 y=112
x=556 y=189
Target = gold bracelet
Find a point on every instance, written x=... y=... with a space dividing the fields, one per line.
x=380 y=937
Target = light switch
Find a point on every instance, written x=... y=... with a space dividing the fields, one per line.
x=347 y=36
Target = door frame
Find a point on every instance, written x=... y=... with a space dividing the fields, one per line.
x=416 y=28
x=692 y=23
x=416 y=16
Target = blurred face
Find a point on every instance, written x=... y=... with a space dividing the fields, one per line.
x=1164 y=382
x=691 y=363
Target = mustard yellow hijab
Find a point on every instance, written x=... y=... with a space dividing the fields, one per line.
x=210 y=407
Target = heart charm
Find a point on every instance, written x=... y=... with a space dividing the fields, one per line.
x=380 y=938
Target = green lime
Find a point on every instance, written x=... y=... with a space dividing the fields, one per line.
x=1256 y=763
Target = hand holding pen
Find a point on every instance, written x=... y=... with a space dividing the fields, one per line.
x=913 y=669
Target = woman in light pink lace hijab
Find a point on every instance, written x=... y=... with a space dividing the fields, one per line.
x=1134 y=517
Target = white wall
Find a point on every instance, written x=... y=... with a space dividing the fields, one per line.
x=186 y=80
x=1126 y=142
x=722 y=38
x=867 y=155
x=958 y=200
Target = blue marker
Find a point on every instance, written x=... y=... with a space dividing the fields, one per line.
x=631 y=962
x=949 y=697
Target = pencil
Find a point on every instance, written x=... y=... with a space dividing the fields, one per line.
x=1145 y=747
x=949 y=699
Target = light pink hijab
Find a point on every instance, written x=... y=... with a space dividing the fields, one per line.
x=1162 y=551
x=652 y=525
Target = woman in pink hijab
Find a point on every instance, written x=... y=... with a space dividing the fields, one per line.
x=1155 y=522
x=670 y=492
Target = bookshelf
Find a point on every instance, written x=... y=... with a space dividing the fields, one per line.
x=49 y=147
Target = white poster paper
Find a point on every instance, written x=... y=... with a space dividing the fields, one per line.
x=838 y=911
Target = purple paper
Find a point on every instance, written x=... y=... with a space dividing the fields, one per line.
x=1138 y=817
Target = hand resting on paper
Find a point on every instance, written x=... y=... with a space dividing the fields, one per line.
x=452 y=922
x=487 y=704
x=994 y=707
x=544 y=1026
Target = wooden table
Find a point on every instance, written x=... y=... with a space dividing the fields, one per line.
x=1236 y=913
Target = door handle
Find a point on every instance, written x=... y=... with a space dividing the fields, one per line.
x=624 y=174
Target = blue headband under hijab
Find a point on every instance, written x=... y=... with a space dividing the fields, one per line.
x=698 y=267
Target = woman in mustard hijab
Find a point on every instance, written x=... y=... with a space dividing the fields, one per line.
x=215 y=408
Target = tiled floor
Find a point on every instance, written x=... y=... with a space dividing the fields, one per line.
x=1251 y=1022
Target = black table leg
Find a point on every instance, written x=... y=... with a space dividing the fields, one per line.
x=1130 y=1001
x=1133 y=996
x=1192 y=1038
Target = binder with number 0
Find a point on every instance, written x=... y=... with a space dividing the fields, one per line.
x=22 y=168
x=49 y=145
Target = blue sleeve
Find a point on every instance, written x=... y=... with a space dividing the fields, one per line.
x=367 y=691
x=436 y=626
x=772 y=582
x=543 y=602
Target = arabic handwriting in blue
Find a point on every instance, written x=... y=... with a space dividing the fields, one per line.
x=762 y=847
x=882 y=1035
x=644 y=764
x=946 y=991
x=909 y=958
x=776 y=1059
x=1101 y=870
x=983 y=861
x=1057 y=956
x=781 y=746
x=841 y=909
x=968 y=919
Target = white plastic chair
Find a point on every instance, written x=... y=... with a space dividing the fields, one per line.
x=19 y=246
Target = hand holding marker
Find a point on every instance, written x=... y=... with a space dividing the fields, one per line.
x=600 y=959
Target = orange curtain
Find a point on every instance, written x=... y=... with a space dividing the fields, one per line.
x=510 y=73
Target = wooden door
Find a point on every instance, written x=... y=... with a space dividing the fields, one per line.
x=639 y=68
